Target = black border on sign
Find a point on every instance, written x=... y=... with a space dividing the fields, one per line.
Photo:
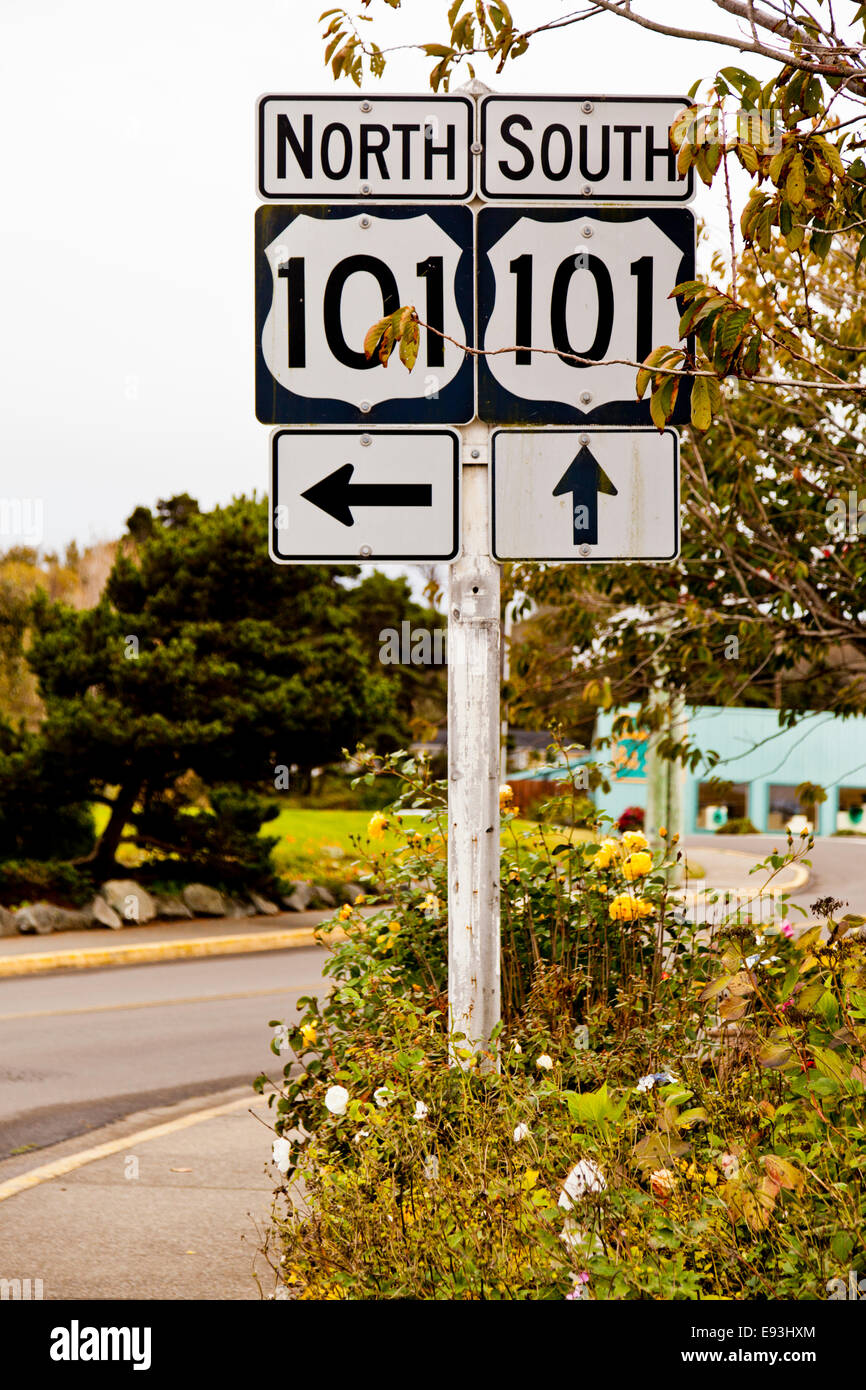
x=496 y=404
x=354 y=558
x=579 y=559
x=455 y=404
x=330 y=193
x=571 y=196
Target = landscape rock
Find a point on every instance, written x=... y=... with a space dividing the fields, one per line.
x=103 y=915
x=300 y=897
x=322 y=896
x=204 y=901
x=332 y=852
x=132 y=903
x=170 y=908
x=237 y=907
x=263 y=906
x=351 y=892
x=43 y=918
x=8 y=925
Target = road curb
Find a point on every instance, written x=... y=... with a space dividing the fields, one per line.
x=150 y=952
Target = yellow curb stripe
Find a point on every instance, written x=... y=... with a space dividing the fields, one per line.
x=61 y=1166
x=149 y=951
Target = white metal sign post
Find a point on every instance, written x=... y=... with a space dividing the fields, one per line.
x=473 y=764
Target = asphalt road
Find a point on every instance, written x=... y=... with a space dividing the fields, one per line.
x=80 y=1050
x=838 y=866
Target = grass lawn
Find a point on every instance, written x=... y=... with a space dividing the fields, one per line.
x=304 y=832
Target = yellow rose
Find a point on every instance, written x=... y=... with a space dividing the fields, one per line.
x=637 y=865
x=377 y=826
x=345 y=912
x=607 y=852
x=634 y=839
x=308 y=1033
x=394 y=927
x=627 y=908
x=506 y=796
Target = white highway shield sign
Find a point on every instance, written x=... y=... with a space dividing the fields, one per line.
x=355 y=495
x=347 y=147
x=324 y=276
x=554 y=283
x=611 y=148
x=585 y=495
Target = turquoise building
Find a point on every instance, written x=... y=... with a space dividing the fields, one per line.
x=761 y=766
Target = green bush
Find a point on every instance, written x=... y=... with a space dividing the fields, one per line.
x=740 y=825
x=666 y=1112
x=29 y=880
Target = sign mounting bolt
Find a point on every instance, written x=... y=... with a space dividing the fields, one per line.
x=366 y=189
x=476 y=147
x=587 y=107
x=366 y=221
x=585 y=398
x=476 y=454
x=364 y=407
x=365 y=440
x=581 y=438
x=366 y=106
x=584 y=550
x=366 y=551
x=586 y=231
x=586 y=191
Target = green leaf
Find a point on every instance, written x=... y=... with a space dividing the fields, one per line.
x=772 y=1056
x=702 y=414
x=795 y=183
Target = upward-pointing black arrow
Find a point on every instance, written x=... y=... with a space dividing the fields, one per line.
x=336 y=495
x=585 y=478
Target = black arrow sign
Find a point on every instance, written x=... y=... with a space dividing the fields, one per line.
x=585 y=478
x=336 y=495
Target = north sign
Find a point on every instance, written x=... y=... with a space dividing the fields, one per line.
x=560 y=284
x=613 y=149
x=585 y=495
x=325 y=275
x=338 y=148
x=357 y=495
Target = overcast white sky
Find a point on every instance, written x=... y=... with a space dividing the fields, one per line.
x=126 y=275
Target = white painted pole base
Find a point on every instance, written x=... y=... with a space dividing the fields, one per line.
x=473 y=773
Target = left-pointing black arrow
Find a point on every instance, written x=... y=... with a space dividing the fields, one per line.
x=584 y=478
x=336 y=494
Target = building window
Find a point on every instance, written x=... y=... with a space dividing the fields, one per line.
x=719 y=802
x=788 y=812
x=852 y=809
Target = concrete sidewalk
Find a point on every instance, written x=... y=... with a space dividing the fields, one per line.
x=175 y=1207
x=161 y=941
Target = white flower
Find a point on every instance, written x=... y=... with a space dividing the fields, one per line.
x=336 y=1100
x=421 y=1111
x=431 y=1167
x=520 y=903
x=281 y=1038
x=521 y=1133
x=544 y=1062
x=383 y=1095
x=655 y=1078
x=584 y=1177
x=362 y=1134
x=575 y=1237
x=282 y=1154
x=730 y=1166
x=517 y=1048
